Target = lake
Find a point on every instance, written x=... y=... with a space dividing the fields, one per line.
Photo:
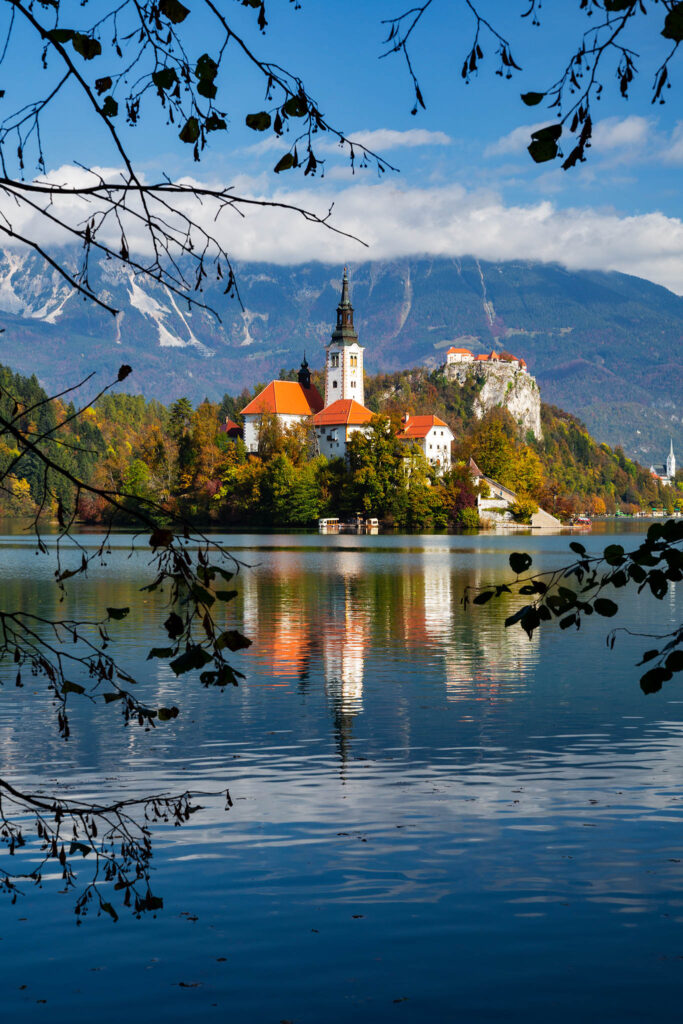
x=433 y=819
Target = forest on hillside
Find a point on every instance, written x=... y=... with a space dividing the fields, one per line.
x=181 y=459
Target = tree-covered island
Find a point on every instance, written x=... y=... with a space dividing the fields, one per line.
x=189 y=462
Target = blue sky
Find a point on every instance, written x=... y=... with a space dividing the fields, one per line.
x=466 y=182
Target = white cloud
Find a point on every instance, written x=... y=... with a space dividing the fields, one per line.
x=672 y=152
x=383 y=139
x=515 y=141
x=269 y=144
x=619 y=132
x=613 y=133
x=380 y=141
x=397 y=221
x=449 y=221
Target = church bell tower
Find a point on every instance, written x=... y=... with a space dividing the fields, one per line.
x=344 y=361
x=671 y=462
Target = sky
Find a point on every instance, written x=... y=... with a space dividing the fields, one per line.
x=464 y=182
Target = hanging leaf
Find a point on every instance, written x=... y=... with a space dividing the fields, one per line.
x=206 y=68
x=190 y=131
x=173 y=10
x=69 y=687
x=110 y=107
x=295 y=106
x=233 y=640
x=543 y=146
x=603 y=606
x=520 y=561
x=284 y=163
x=258 y=122
x=673 y=24
x=194 y=657
x=215 y=123
x=166 y=714
x=86 y=45
x=60 y=35
x=165 y=78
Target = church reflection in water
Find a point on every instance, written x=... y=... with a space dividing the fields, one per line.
x=336 y=622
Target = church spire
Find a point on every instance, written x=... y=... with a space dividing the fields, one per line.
x=344 y=333
x=304 y=375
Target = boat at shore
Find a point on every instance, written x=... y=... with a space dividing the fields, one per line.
x=358 y=524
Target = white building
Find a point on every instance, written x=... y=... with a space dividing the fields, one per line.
x=666 y=474
x=432 y=436
x=291 y=401
x=344 y=359
x=458 y=355
x=495 y=507
x=336 y=424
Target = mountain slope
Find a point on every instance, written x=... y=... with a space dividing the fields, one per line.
x=603 y=345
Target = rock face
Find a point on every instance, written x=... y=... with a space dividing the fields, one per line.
x=503 y=384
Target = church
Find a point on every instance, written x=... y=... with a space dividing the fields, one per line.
x=342 y=413
x=666 y=474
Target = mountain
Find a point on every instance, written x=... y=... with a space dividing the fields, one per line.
x=604 y=346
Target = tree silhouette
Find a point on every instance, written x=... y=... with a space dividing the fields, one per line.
x=603 y=56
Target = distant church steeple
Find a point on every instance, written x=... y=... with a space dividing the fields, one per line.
x=304 y=374
x=344 y=362
x=671 y=462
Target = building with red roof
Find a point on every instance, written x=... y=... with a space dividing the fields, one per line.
x=232 y=429
x=336 y=424
x=292 y=401
x=458 y=355
x=432 y=436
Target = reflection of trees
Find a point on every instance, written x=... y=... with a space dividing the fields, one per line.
x=279 y=608
x=330 y=615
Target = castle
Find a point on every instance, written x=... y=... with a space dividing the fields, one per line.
x=342 y=413
x=502 y=380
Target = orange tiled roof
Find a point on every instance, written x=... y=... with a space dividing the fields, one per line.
x=459 y=351
x=481 y=358
x=286 y=397
x=342 y=412
x=419 y=426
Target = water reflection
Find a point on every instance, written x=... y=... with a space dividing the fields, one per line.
x=326 y=621
x=426 y=805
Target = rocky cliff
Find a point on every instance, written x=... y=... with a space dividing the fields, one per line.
x=503 y=384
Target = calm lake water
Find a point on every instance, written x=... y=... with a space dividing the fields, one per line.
x=435 y=819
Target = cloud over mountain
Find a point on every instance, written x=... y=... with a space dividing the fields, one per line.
x=390 y=221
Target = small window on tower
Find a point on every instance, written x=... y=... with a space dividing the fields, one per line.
x=353 y=383
x=334 y=359
x=354 y=360
x=334 y=384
